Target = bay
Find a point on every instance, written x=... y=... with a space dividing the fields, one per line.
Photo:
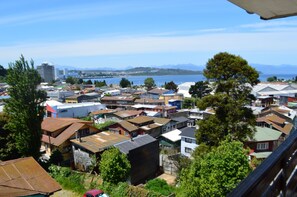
x=178 y=79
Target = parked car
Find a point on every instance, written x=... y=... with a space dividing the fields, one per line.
x=95 y=193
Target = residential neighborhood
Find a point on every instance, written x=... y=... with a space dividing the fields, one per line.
x=146 y=99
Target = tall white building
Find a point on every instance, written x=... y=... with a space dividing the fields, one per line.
x=46 y=71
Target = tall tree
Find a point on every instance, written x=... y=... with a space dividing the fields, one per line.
x=24 y=107
x=149 y=83
x=171 y=86
x=114 y=166
x=217 y=172
x=125 y=83
x=7 y=142
x=233 y=79
x=200 y=89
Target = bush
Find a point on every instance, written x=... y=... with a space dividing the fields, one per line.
x=159 y=186
x=104 y=125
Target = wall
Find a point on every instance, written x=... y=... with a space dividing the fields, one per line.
x=184 y=144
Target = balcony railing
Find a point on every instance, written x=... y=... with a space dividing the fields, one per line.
x=276 y=176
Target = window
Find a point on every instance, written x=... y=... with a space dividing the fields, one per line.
x=188 y=140
x=262 y=146
x=188 y=150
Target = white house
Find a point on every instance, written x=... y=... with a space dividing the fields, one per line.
x=188 y=141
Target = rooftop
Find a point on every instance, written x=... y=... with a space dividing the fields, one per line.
x=24 y=177
x=141 y=119
x=188 y=132
x=266 y=134
x=141 y=140
x=100 y=141
x=173 y=136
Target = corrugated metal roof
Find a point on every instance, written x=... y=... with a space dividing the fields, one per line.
x=54 y=124
x=25 y=176
x=266 y=134
x=100 y=141
x=136 y=142
x=180 y=119
x=128 y=126
x=141 y=119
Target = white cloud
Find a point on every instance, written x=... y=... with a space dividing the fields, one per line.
x=253 y=41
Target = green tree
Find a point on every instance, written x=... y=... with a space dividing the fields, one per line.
x=149 y=83
x=200 y=89
x=100 y=83
x=272 y=79
x=171 y=86
x=217 y=173
x=114 y=166
x=125 y=83
x=3 y=71
x=89 y=82
x=189 y=103
x=70 y=80
x=233 y=79
x=80 y=81
x=24 y=107
x=7 y=142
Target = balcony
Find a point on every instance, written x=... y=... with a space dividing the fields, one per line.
x=276 y=176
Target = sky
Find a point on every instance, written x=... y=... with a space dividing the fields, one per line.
x=130 y=33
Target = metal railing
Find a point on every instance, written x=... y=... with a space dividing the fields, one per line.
x=276 y=176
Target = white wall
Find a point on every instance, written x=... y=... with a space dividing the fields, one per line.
x=185 y=144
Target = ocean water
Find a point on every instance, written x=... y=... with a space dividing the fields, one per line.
x=179 y=79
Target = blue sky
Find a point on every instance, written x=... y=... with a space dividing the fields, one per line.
x=121 y=33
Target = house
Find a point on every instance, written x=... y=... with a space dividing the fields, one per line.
x=59 y=95
x=275 y=122
x=149 y=101
x=96 y=144
x=264 y=101
x=127 y=114
x=82 y=98
x=25 y=177
x=113 y=102
x=73 y=110
x=171 y=139
x=264 y=142
x=274 y=89
x=282 y=111
x=174 y=96
x=177 y=103
x=157 y=92
x=188 y=141
x=143 y=154
x=164 y=110
x=124 y=128
x=57 y=132
x=167 y=124
x=101 y=116
x=180 y=122
x=288 y=101
x=147 y=126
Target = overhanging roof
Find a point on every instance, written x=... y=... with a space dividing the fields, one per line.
x=269 y=9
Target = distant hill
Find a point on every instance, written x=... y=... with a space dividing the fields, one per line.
x=276 y=69
x=160 y=71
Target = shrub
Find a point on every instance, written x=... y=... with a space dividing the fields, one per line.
x=159 y=186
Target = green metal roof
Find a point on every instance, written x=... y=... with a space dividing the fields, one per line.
x=266 y=134
x=261 y=155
